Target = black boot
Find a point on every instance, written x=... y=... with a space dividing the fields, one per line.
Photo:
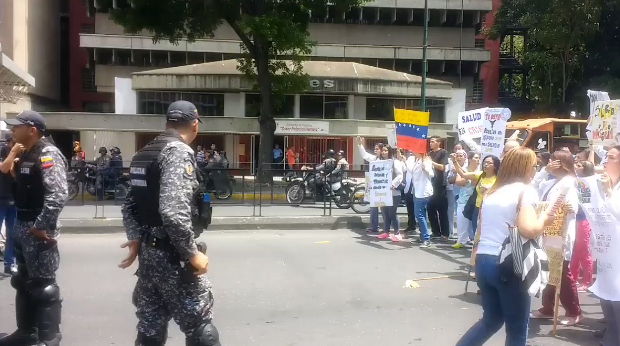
x=26 y=334
x=48 y=320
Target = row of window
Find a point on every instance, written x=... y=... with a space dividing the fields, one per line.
x=312 y=106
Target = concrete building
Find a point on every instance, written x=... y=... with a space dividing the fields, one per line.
x=32 y=47
x=384 y=33
x=344 y=100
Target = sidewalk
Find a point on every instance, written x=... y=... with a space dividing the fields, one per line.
x=107 y=219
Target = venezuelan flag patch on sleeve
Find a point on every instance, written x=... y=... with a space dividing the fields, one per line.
x=47 y=161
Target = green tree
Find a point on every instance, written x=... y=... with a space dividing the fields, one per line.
x=555 y=48
x=268 y=29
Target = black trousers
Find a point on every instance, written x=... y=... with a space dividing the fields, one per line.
x=409 y=201
x=438 y=213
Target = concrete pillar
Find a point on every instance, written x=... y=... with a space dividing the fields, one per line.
x=234 y=105
x=296 y=109
x=359 y=108
x=351 y=107
x=230 y=146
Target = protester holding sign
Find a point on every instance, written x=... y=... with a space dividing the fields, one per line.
x=562 y=180
x=395 y=177
x=374 y=212
x=464 y=225
x=603 y=212
x=422 y=172
x=505 y=298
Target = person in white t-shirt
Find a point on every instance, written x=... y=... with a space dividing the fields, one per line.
x=505 y=299
x=421 y=174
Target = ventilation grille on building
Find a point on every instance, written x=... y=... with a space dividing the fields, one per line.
x=477 y=92
x=88 y=80
x=479 y=43
x=87 y=29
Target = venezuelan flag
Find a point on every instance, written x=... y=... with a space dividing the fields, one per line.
x=412 y=130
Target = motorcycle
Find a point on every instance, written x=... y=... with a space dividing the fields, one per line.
x=310 y=186
x=218 y=183
x=86 y=179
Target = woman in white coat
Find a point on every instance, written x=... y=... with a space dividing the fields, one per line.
x=374 y=211
x=560 y=179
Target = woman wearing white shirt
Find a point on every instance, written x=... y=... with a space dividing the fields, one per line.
x=421 y=173
x=607 y=284
x=562 y=170
x=464 y=225
x=374 y=211
x=390 y=218
x=505 y=299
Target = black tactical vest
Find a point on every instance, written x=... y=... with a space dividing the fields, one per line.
x=145 y=176
x=29 y=190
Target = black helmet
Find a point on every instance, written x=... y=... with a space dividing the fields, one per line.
x=330 y=153
x=103 y=150
x=341 y=152
x=115 y=150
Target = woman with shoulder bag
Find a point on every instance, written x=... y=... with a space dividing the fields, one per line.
x=510 y=202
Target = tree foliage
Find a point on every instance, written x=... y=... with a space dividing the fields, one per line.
x=557 y=47
x=268 y=29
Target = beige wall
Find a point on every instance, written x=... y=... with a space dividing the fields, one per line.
x=104 y=75
x=93 y=140
x=31 y=38
x=347 y=34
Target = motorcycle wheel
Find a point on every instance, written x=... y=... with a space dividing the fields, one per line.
x=121 y=191
x=357 y=201
x=343 y=198
x=74 y=189
x=295 y=193
x=91 y=188
x=224 y=193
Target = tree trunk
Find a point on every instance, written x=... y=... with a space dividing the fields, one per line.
x=564 y=67
x=265 y=119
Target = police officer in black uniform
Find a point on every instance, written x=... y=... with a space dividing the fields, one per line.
x=164 y=214
x=40 y=195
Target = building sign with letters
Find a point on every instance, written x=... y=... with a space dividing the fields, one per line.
x=301 y=127
x=326 y=83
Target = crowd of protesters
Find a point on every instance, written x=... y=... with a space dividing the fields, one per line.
x=488 y=196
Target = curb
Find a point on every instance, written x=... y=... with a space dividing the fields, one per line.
x=231 y=223
x=249 y=196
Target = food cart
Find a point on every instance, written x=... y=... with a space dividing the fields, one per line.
x=550 y=134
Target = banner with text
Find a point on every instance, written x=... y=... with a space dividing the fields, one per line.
x=553 y=238
x=605 y=233
x=494 y=131
x=604 y=122
x=594 y=97
x=469 y=124
x=380 y=183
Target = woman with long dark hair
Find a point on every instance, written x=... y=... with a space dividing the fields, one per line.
x=390 y=218
x=374 y=211
x=463 y=225
x=562 y=172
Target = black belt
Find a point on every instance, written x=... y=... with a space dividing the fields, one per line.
x=28 y=214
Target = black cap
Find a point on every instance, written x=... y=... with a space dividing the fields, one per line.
x=182 y=111
x=31 y=118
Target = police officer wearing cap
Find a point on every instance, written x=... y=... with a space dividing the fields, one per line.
x=40 y=195
x=162 y=215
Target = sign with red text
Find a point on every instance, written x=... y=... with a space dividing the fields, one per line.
x=494 y=131
x=469 y=124
x=301 y=127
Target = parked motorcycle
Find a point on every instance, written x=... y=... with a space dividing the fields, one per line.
x=310 y=185
x=219 y=183
x=86 y=180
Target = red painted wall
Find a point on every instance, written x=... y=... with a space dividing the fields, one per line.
x=490 y=69
x=78 y=58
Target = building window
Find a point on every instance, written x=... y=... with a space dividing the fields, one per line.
x=157 y=102
x=478 y=92
x=88 y=80
x=87 y=29
x=286 y=109
x=98 y=107
x=323 y=107
x=479 y=43
x=383 y=108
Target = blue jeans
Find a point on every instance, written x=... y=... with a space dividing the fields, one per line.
x=390 y=219
x=8 y=214
x=374 y=218
x=420 y=215
x=451 y=209
x=504 y=301
x=474 y=223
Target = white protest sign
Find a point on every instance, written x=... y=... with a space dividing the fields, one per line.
x=469 y=123
x=391 y=138
x=604 y=122
x=596 y=96
x=606 y=238
x=380 y=183
x=494 y=131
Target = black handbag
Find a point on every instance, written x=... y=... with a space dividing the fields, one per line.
x=470 y=206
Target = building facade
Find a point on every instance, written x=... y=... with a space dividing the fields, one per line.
x=31 y=37
x=384 y=33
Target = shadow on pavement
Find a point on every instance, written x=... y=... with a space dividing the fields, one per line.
x=577 y=334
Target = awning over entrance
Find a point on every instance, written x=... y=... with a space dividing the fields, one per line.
x=14 y=82
x=325 y=77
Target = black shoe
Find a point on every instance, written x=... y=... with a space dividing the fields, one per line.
x=600 y=333
x=20 y=338
x=10 y=270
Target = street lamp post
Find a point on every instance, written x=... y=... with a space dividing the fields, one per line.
x=424 y=59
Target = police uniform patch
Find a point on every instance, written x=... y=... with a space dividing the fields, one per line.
x=47 y=161
x=189 y=169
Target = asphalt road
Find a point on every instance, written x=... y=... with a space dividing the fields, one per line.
x=302 y=288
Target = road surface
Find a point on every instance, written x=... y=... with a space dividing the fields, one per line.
x=302 y=288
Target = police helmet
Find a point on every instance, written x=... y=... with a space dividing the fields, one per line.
x=115 y=150
x=103 y=150
x=341 y=152
x=330 y=153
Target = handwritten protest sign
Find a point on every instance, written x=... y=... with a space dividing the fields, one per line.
x=380 y=183
x=606 y=235
x=557 y=228
x=604 y=122
x=469 y=123
x=553 y=238
x=556 y=264
x=594 y=97
x=494 y=131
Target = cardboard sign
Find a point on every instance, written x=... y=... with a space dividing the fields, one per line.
x=494 y=131
x=380 y=183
